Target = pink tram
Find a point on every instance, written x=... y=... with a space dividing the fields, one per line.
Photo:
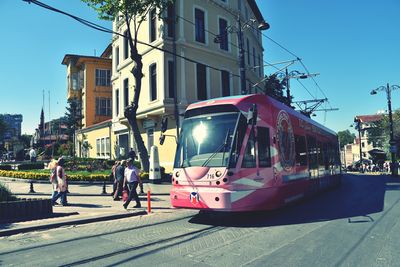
x=248 y=153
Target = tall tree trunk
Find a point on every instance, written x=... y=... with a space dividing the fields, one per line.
x=131 y=110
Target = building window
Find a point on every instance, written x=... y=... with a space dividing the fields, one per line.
x=117 y=102
x=103 y=149
x=103 y=106
x=98 y=148
x=126 y=45
x=260 y=66
x=225 y=83
x=116 y=57
x=170 y=20
x=153 y=25
x=201 y=81
x=126 y=92
x=74 y=78
x=153 y=82
x=254 y=57
x=108 y=147
x=81 y=79
x=223 y=34
x=200 y=29
x=171 y=79
x=103 y=77
x=248 y=51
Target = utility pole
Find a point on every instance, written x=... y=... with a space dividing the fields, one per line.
x=392 y=143
x=241 y=58
x=358 y=120
x=393 y=148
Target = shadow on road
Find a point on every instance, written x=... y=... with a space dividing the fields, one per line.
x=359 y=195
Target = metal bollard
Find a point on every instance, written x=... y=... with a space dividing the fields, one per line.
x=104 y=189
x=148 y=202
x=31 y=191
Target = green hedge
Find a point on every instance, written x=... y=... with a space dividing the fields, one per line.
x=5 y=194
x=31 y=166
x=6 y=167
x=45 y=175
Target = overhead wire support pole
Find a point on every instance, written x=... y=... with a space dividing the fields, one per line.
x=393 y=148
x=241 y=58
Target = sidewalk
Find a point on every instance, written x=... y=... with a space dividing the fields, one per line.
x=86 y=204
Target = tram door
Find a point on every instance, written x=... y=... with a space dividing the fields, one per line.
x=258 y=150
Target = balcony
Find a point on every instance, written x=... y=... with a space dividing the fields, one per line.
x=74 y=94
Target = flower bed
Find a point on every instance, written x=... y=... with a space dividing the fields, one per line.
x=45 y=175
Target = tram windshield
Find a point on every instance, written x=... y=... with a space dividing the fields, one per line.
x=206 y=140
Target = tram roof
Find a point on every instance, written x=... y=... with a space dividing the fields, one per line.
x=247 y=100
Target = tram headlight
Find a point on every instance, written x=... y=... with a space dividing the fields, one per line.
x=218 y=173
x=177 y=174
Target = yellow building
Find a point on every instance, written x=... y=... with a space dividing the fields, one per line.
x=95 y=141
x=89 y=85
x=199 y=69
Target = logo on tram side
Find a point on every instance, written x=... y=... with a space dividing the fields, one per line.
x=194 y=198
x=285 y=140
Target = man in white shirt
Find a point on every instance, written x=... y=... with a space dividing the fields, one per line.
x=132 y=179
x=32 y=155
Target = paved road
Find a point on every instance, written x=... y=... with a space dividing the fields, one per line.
x=355 y=225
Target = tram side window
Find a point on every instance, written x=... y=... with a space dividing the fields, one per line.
x=264 y=153
x=301 y=150
x=326 y=156
x=320 y=156
x=249 y=158
x=312 y=152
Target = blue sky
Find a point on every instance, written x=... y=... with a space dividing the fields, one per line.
x=354 y=45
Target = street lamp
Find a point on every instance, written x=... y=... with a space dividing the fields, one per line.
x=262 y=26
x=286 y=76
x=393 y=149
x=358 y=127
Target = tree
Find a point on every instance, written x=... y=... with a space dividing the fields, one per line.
x=345 y=137
x=73 y=120
x=133 y=13
x=274 y=88
x=26 y=140
x=3 y=127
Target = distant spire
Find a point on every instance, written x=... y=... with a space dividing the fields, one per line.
x=41 y=125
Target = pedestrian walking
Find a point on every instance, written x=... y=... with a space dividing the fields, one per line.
x=52 y=166
x=113 y=176
x=132 y=154
x=32 y=154
x=119 y=177
x=132 y=179
x=62 y=185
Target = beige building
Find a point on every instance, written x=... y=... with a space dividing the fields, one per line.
x=199 y=69
x=351 y=152
x=89 y=85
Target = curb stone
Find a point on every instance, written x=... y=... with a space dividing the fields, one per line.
x=9 y=232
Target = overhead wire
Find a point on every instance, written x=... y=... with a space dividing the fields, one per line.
x=103 y=29
x=106 y=30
